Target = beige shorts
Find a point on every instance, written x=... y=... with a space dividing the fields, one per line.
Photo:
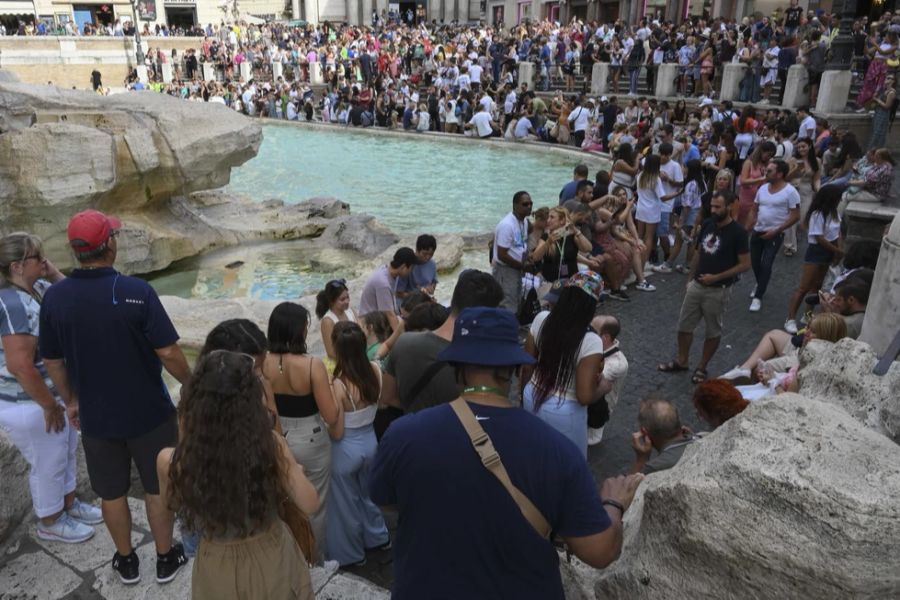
x=707 y=303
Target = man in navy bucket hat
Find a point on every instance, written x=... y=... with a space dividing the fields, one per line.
x=460 y=529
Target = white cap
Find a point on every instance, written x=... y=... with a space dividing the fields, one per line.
x=604 y=99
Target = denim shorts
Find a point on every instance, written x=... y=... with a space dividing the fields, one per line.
x=662 y=228
x=817 y=255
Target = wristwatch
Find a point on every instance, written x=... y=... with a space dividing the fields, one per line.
x=615 y=504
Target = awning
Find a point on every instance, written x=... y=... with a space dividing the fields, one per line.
x=16 y=7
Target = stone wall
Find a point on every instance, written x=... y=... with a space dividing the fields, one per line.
x=69 y=61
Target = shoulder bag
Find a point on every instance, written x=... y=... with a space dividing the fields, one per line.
x=491 y=461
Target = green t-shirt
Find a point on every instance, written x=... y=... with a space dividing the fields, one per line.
x=410 y=358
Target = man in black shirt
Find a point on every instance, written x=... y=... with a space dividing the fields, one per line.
x=722 y=254
x=792 y=18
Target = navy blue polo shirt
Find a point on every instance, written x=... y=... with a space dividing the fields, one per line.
x=460 y=534
x=107 y=326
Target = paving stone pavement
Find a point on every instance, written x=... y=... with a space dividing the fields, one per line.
x=82 y=572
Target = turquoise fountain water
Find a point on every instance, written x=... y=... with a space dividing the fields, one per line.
x=412 y=184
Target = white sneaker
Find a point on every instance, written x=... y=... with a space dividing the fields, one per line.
x=645 y=287
x=735 y=373
x=662 y=268
x=629 y=280
x=755 y=305
x=65 y=529
x=85 y=513
x=595 y=436
x=648 y=269
x=753 y=292
x=790 y=326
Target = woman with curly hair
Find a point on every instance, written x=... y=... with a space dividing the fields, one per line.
x=569 y=356
x=717 y=400
x=227 y=477
x=355 y=524
x=333 y=306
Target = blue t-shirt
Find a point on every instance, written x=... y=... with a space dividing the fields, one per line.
x=107 y=327
x=460 y=533
x=419 y=276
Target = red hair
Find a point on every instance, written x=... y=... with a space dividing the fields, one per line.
x=719 y=399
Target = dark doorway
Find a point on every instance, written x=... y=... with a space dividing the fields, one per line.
x=408 y=12
x=181 y=17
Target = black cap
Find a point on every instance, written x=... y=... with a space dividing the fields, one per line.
x=405 y=257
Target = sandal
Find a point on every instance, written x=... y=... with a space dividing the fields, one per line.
x=699 y=376
x=670 y=367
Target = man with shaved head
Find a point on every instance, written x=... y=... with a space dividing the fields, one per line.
x=660 y=429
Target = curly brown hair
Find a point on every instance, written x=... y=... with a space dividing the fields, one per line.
x=719 y=399
x=227 y=475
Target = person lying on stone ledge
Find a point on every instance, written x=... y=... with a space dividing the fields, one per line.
x=660 y=429
x=717 y=400
x=779 y=349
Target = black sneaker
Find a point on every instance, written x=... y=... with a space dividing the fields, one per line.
x=619 y=295
x=167 y=564
x=128 y=567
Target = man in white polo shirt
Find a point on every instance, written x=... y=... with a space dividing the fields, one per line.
x=775 y=209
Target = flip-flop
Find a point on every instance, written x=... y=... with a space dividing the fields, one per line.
x=699 y=376
x=670 y=367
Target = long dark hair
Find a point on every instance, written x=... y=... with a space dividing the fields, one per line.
x=288 y=325
x=235 y=335
x=695 y=173
x=351 y=363
x=227 y=474
x=825 y=201
x=625 y=152
x=811 y=159
x=324 y=299
x=650 y=173
x=560 y=340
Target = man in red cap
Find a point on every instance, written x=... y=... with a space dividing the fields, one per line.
x=105 y=338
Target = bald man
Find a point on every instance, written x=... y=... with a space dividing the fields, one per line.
x=660 y=429
x=615 y=368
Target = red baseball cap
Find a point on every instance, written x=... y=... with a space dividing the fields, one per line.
x=90 y=229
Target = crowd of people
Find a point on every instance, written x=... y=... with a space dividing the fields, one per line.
x=464 y=63
x=284 y=457
x=273 y=459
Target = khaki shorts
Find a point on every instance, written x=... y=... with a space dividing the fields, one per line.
x=707 y=303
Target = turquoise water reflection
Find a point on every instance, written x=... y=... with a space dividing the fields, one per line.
x=412 y=185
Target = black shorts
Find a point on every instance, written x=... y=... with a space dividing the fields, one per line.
x=109 y=460
x=815 y=77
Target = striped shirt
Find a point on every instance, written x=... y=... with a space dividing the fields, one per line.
x=19 y=314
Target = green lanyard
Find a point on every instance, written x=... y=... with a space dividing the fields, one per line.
x=484 y=389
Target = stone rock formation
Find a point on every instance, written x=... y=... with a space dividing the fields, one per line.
x=794 y=498
x=128 y=154
x=841 y=374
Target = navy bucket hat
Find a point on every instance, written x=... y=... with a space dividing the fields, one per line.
x=488 y=337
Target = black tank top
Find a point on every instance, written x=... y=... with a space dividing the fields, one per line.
x=294 y=406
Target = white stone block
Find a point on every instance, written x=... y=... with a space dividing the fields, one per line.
x=166 y=69
x=37 y=575
x=834 y=91
x=143 y=77
x=315 y=73
x=599 y=78
x=246 y=71
x=526 y=74
x=732 y=75
x=277 y=71
x=795 y=92
x=209 y=71
x=665 y=80
x=883 y=312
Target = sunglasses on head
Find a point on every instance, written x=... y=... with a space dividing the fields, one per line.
x=338 y=283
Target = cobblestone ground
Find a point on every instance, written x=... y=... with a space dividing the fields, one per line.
x=647 y=338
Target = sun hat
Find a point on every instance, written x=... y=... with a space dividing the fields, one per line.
x=486 y=336
x=587 y=281
x=90 y=229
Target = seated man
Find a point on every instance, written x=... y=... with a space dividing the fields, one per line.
x=660 y=429
x=849 y=301
x=422 y=276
